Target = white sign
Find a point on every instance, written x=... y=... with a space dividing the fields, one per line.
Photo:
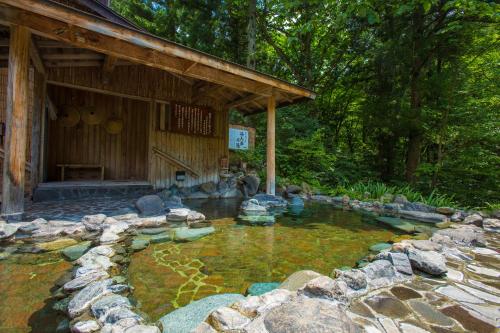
x=238 y=139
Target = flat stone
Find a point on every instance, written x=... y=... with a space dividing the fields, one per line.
x=485 y=251
x=458 y=295
x=397 y=223
x=492 y=225
x=91 y=293
x=430 y=262
x=109 y=237
x=187 y=234
x=178 y=214
x=84 y=280
x=258 y=219
x=361 y=309
x=388 y=325
x=152 y=231
x=105 y=304
x=490 y=313
x=87 y=326
x=468 y=321
x=257 y=289
x=302 y=315
x=298 y=279
x=481 y=294
x=161 y=238
x=142 y=329
x=76 y=251
x=257 y=305
x=227 y=319
x=57 y=244
x=149 y=222
x=325 y=287
x=404 y=293
x=483 y=286
x=379 y=269
x=401 y=262
x=454 y=275
x=464 y=236
x=187 y=318
x=139 y=244
x=380 y=247
x=426 y=245
x=387 y=306
x=445 y=210
x=409 y=328
x=423 y=216
x=117 y=314
x=7 y=230
x=431 y=315
x=484 y=271
x=94 y=261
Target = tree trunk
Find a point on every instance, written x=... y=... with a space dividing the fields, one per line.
x=251 y=33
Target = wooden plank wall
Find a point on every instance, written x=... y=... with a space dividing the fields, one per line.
x=201 y=154
x=3 y=115
x=123 y=155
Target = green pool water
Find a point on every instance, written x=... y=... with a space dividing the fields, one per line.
x=170 y=275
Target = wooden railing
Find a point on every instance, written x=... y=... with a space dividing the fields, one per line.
x=169 y=158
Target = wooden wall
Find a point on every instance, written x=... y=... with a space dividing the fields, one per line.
x=123 y=155
x=202 y=154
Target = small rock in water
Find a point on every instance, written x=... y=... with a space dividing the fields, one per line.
x=187 y=234
x=257 y=289
x=139 y=244
x=178 y=215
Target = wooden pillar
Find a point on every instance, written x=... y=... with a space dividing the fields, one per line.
x=271 y=143
x=16 y=124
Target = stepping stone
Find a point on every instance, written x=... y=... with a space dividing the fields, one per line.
x=152 y=231
x=458 y=295
x=431 y=315
x=397 y=223
x=481 y=294
x=380 y=247
x=388 y=306
x=454 y=275
x=490 y=313
x=484 y=286
x=76 y=251
x=408 y=328
x=139 y=244
x=161 y=238
x=483 y=271
x=404 y=293
x=468 y=320
x=186 y=234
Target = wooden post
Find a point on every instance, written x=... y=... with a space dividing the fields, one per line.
x=16 y=124
x=36 y=119
x=271 y=143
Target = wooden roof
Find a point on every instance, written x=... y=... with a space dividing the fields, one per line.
x=70 y=36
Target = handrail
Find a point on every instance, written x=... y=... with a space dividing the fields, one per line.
x=2 y=155
x=175 y=161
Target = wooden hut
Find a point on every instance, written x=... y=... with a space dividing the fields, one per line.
x=85 y=94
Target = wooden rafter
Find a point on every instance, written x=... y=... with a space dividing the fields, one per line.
x=107 y=67
x=244 y=100
x=35 y=58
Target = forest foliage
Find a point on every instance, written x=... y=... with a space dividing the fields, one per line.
x=407 y=91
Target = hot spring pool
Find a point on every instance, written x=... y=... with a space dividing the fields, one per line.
x=320 y=238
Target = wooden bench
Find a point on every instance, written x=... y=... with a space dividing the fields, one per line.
x=80 y=166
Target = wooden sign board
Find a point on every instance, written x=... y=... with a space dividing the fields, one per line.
x=191 y=120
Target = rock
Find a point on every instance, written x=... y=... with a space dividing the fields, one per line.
x=63 y=326
x=270 y=201
x=464 y=236
x=430 y=262
x=187 y=318
x=30 y=227
x=296 y=202
x=325 y=287
x=87 y=326
x=209 y=187
x=480 y=294
x=152 y=231
x=149 y=222
x=142 y=329
x=198 y=195
x=404 y=293
x=178 y=214
x=425 y=245
x=292 y=190
x=474 y=219
x=468 y=319
x=258 y=219
x=82 y=300
x=303 y=315
x=355 y=278
x=57 y=244
x=194 y=217
x=104 y=305
x=139 y=244
x=387 y=305
x=430 y=315
x=257 y=289
x=76 y=251
x=443 y=225
x=298 y=279
x=445 y=210
x=457 y=217
x=204 y=328
x=231 y=193
x=492 y=225
x=227 y=319
x=400 y=199
x=93 y=261
x=161 y=238
x=397 y=223
x=458 y=295
x=418 y=207
x=379 y=269
x=401 y=263
x=423 y=216
x=150 y=205
x=115 y=315
x=7 y=230
x=93 y=222
x=380 y=247
x=187 y=234
x=174 y=202
x=249 y=185
x=252 y=207
x=256 y=305
x=85 y=279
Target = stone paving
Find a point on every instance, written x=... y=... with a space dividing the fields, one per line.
x=467 y=299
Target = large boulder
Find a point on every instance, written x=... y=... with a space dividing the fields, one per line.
x=430 y=262
x=355 y=278
x=7 y=230
x=298 y=279
x=209 y=187
x=305 y=315
x=249 y=185
x=270 y=201
x=187 y=318
x=150 y=205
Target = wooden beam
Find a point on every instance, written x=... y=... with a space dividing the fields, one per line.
x=244 y=100
x=58 y=22
x=271 y=143
x=51 y=107
x=107 y=67
x=102 y=91
x=173 y=160
x=14 y=164
x=206 y=91
x=73 y=56
x=89 y=63
x=35 y=57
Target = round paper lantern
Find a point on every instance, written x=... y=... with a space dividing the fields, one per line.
x=92 y=116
